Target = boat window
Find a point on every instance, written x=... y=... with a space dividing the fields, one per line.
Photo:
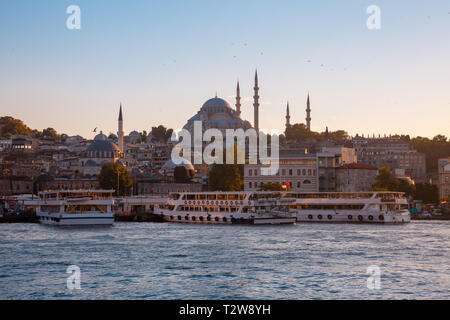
x=174 y=196
x=190 y=197
x=211 y=197
x=221 y=197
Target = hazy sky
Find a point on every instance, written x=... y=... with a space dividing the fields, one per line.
x=164 y=59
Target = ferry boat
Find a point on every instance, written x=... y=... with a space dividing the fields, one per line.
x=254 y=208
x=76 y=207
x=359 y=207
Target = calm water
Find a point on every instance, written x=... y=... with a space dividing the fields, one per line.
x=171 y=261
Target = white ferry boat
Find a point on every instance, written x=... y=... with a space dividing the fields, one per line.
x=360 y=207
x=76 y=207
x=255 y=208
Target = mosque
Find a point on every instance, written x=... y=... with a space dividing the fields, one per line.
x=215 y=113
x=218 y=114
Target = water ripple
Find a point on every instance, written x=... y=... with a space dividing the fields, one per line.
x=171 y=261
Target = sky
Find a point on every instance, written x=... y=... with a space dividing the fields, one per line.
x=164 y=59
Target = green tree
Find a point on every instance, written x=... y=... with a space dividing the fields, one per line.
x=113 y=175
x=227 y=177
x=182 y=175
x=143 y=136
x=299 y=132
x=385 y=181
x=434 y=149
x=10 y=126
x=50 y=132
x=161 y=134
x=426 y=192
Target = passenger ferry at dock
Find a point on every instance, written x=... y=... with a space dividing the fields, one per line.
x=76 y=207
x=285 y=208
x=359 y=207
x=254 y=208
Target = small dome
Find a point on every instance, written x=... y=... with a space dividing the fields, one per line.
x=100 y=136
x=216 y=105
x=134 y=134
x=170 y=165
x=103 y=145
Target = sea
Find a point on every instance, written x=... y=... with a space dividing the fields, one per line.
x=180 y=261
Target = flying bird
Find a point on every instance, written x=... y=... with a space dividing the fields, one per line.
x=95 y=130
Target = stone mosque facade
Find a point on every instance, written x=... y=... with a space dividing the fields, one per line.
x=217 y=113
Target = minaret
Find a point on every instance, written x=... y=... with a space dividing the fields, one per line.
x=120 y=131
x=308 y=114
x=238 y=100
x=256 y=104
x=288 y=117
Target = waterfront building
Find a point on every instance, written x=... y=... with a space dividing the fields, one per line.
x=330 y=158
x=26 y=144
x=13 y=185
x=298 y=170
x=444 y=178
x=355 y=177
x=391 y=152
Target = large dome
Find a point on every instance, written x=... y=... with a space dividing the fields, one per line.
x=216 y=105
x=102 y=145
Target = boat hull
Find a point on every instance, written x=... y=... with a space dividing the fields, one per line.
x=85 y=219
x=352 y=217
x=226 y=220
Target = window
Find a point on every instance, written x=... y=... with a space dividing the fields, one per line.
x=290 y=172
x=256 y=172
x=250 y=172
x=298 y=172
x=250 y=185
x=304 y=172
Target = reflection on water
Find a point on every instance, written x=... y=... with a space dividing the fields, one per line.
x=171 y=261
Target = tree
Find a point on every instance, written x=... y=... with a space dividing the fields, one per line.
x=143 y=136
x=434 y=149
x=10 y=126
x=299 y=132
x=426 y=192
x=50 y=132
x=113 y=175
x=161 y=134
x=387 y=182
x=182 y=175
x=227 y=177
